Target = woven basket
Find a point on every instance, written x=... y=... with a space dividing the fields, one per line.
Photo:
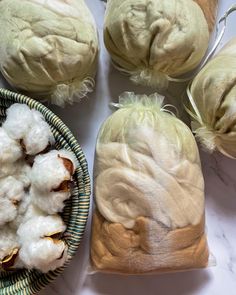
x=76 y=210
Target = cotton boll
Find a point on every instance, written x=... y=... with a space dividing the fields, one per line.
x=42 y=249
x=29 y=127
x=10 y=150
x=49 y=48
x=50 y=202
x=43 y=254
x=9 y=247
x=52 y=170
x=39 y=136
x=44 y=226
x=19 y=120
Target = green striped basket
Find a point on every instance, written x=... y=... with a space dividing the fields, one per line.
x=76 y=210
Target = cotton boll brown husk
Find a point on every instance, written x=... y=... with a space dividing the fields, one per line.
x=49 y=202
x=213 y=92
x=147 y=169
x=50 y=170
x=49 y=48
x=151 y=40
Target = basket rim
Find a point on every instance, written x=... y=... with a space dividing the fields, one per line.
x=84 y=197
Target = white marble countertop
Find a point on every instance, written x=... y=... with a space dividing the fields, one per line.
x=84 y=120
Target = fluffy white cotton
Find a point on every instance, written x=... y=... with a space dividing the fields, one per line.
x=19 y=120
x=12 y=189
x=8 y=242
x=50 y=170
x=43 y=226
x=8 y=211
x=43 y=254
x=11 y=193
x=49 y=48
x=25 y=211
x=49 y=202
x=147 y=164
x=10 y=150
x=22 y=173
x=39 y=136
x=39 y=248
x=29 y=127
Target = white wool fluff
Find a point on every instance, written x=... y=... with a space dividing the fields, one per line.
x=30 y=127
x=10 y=150
x=50 y=202
x=43 y=254
x=48 y=170
x=49 y=48
x=147 y=164
x=156 y=39
x=43 y=226
x=8 y=242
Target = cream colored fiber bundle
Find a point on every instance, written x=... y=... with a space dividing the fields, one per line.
x=48 y=48
x=213 y=95
x=156 y=40
x=149 y=192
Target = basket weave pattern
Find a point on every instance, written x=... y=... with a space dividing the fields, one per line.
x=75 y=213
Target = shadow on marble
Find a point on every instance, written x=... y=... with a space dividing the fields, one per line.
x=184 y=283
x=220 y=181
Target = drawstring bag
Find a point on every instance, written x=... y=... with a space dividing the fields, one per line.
x=149 y=192
x=156 y=41
x=48 y=49
x=213 y=103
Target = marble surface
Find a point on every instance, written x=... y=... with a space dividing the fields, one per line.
x=84 y=120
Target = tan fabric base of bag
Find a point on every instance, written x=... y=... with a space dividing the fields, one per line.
x=209 y=8
x=148 y=247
